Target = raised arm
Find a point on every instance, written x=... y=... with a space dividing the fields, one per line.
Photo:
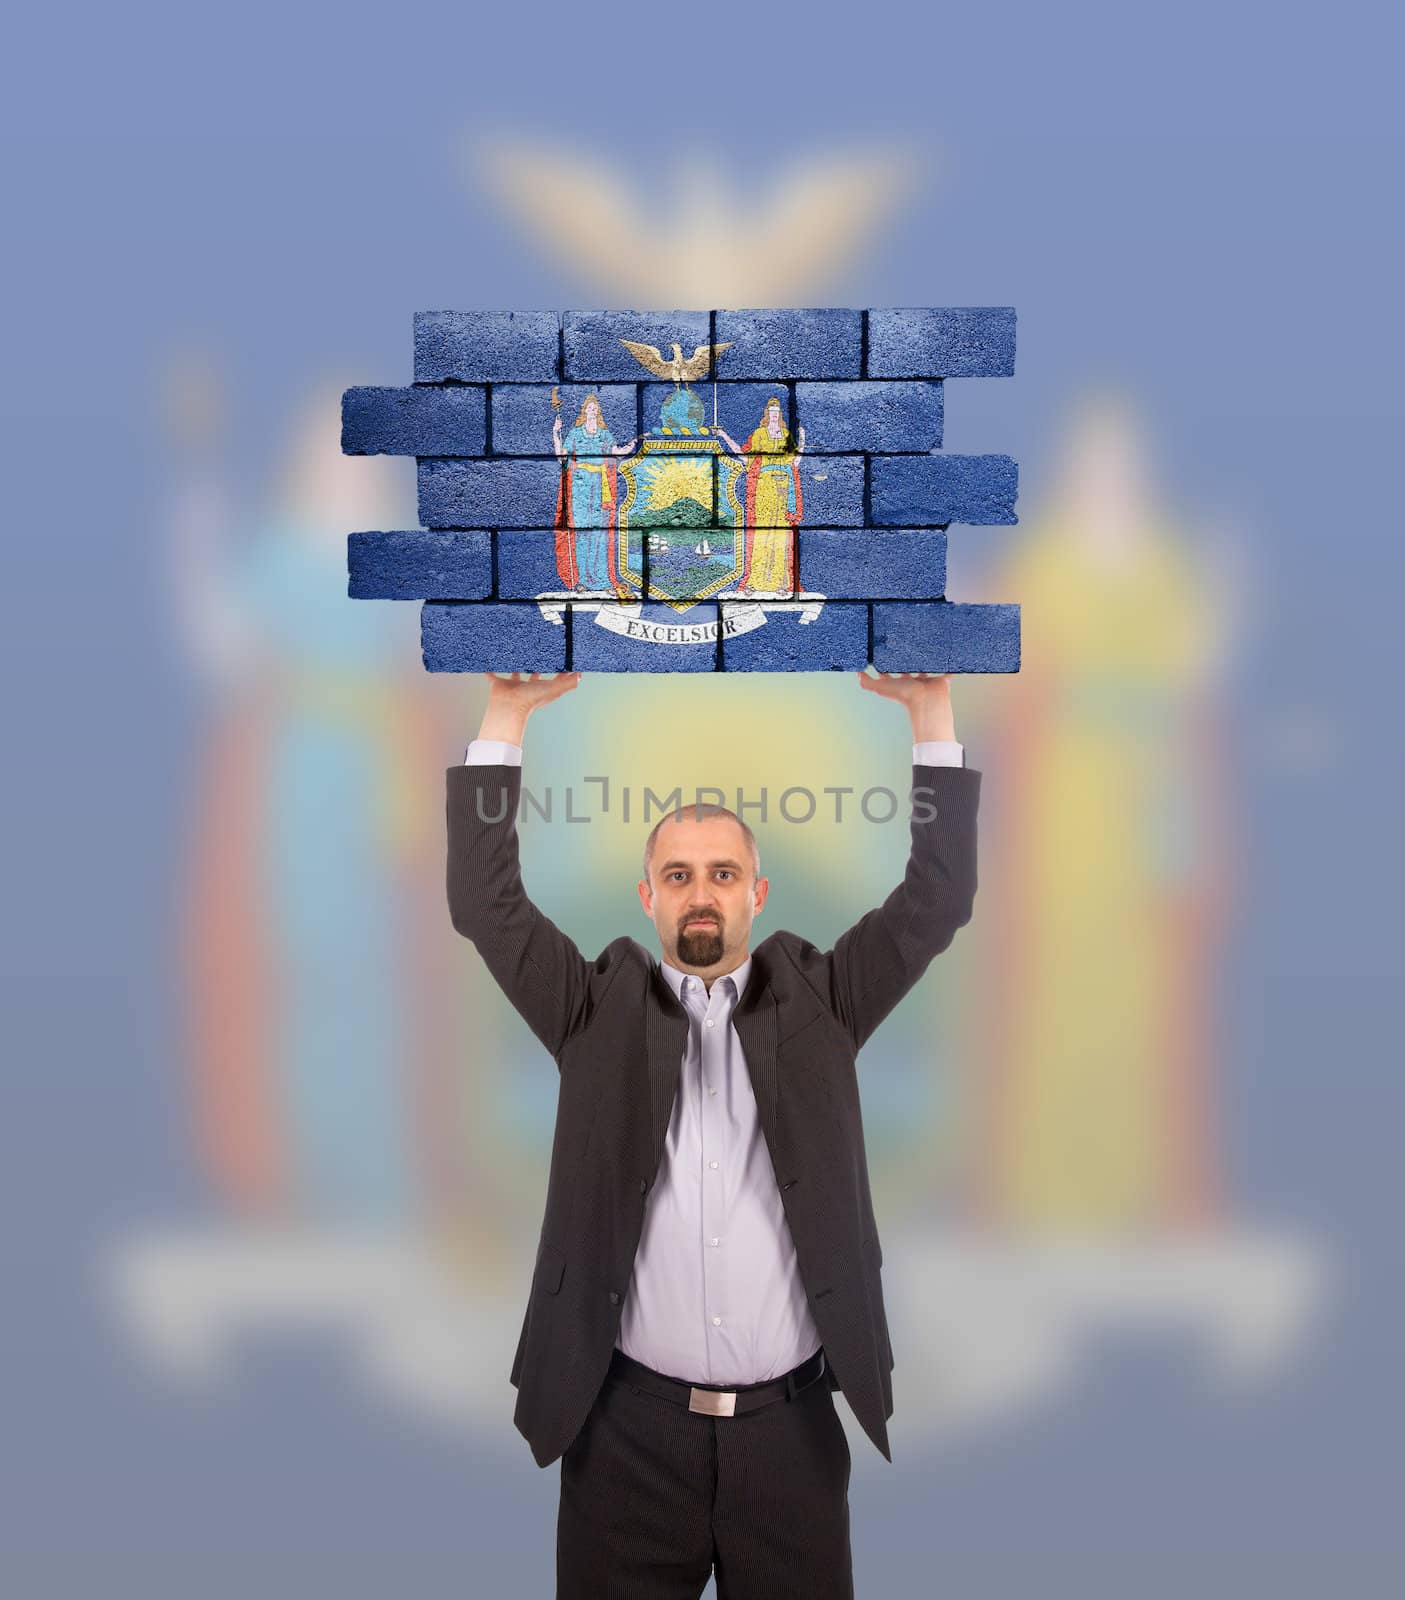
x=729 y=441
x=536 y=965
x=877 y=961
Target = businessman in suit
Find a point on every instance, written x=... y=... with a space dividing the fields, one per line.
x=708 y=1270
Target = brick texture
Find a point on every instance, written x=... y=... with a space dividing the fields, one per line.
x=944 y=637
x=932 y=491
x=420 y=565
x=945 y=342
x=448 y=421
x=582 y=510
x=487 y=347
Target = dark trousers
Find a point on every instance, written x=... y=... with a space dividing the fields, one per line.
x=654 y=1496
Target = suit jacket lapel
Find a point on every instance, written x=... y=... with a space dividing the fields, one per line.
x=755 y=1022
x=666 y=1035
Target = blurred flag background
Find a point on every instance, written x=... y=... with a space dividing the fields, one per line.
x=276 y=1150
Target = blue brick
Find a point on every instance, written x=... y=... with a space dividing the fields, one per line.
x=419 y=566
x=877 y=494
x=873 y=563
x=677 y=573
x=595 y=648
x=944 y=342
x=485 y=636
x=522 y=415
x=870 y=416
x=594 y=353
x=488 y=494
x=927 y=491
x=487 y=346
x=413 y=422
x=791 y=344
x=740 y=406
x=835 y=641
x=942 y=637
x=831 y=490
x=527 y=563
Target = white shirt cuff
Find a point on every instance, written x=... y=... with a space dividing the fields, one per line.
x=492 y=752
x=499 y=752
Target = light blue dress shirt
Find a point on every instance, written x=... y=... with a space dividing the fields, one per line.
x=716 y=1294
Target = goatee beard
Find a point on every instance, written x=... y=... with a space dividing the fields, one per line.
x=700 y=947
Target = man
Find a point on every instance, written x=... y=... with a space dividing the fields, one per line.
x=709 y=1268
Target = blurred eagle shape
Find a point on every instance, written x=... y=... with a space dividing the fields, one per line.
x=698 y=365
x=675 y=241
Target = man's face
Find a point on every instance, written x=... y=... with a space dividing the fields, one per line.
x=701 y=893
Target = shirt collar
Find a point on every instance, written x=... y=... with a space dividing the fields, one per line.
x=738 y=977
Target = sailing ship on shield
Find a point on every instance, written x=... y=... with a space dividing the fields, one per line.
x=680 y=514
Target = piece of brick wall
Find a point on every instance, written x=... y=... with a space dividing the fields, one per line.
x=847 y=539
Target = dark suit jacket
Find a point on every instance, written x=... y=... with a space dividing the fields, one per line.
x=617 y=1034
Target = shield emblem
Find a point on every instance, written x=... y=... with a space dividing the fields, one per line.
x=682 y=525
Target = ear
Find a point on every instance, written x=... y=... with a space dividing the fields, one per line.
x=763 y=888
x=646 y=898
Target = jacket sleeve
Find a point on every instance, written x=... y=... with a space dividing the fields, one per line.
x=874 y=963
x=536 y=965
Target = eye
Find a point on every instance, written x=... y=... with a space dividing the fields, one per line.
x=724 y=872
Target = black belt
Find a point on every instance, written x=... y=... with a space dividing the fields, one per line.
x=711 y=1399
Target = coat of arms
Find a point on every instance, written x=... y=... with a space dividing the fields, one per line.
x=681 y=513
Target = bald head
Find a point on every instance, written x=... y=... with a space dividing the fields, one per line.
x=702 y=887
x=748 y=850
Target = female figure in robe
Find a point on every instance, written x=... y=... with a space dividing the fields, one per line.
x=1094 y=970
x=774 y=504
x=587 y=501
x=324 y=1022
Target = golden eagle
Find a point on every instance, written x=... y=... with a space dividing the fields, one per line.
x=696 y=366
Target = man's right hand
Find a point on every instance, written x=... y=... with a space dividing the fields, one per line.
x=513 y=697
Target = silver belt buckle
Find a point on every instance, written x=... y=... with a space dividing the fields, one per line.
x=713 y=1402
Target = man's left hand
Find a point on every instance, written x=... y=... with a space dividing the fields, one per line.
x=927 y=696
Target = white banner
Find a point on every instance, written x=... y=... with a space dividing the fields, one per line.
x=741 y=617
x=738 y=616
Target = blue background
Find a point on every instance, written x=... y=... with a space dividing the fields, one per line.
x=1194 y=205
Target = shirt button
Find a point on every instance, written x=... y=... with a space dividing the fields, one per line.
x=712 y=1091
x=717 y=1322
x=711 y=1023
x=714 y=1241
x=712 y=1163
